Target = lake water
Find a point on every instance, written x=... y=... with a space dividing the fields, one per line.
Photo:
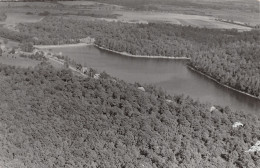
x=172 y=75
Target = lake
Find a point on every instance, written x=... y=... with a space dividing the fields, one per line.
x=172 y=75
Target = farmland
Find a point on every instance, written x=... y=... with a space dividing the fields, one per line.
x=236 y=10
x=18 y=61
x=14 y=18
x=176 y=12
x=15 y=59
x=2 y=16
x=9 y=43
x=175 y=18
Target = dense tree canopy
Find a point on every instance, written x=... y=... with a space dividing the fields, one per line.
x=51 y=118
x=236 y=65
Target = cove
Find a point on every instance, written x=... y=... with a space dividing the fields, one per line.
x=172 y=75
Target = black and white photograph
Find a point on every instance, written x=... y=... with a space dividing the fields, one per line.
x=129 y=83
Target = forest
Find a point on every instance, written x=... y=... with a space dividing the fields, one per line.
x=112 y=35
x=53 y=118
x=229 y=56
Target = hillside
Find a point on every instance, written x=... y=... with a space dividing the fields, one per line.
x=51 y=118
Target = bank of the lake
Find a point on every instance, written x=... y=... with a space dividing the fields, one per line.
x=229 y=87
x=61 y=46
x=140 y=56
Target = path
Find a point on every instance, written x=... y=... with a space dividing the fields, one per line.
x=62 y=62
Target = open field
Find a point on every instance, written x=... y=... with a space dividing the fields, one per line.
x=72 y=3
x=94 y=10
x=28 y=4
x=2 y=16
x=88 y=3
x=18 y=61
x=14 y=18
x=174 y=18
x=237 y=10
x=251 y=17
x=10 y=43
x=15 y=59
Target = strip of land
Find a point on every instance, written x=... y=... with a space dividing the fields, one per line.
x=70 y=67
x=141 y=56
x=61 y=46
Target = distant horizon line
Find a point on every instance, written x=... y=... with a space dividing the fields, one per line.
x=36 y=0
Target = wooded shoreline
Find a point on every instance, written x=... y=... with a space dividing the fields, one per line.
x=215 y=80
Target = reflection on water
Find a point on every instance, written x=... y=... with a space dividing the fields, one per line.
x=171 y=75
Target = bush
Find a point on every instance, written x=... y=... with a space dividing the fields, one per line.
x=26 y=46
x=28 y=13
x=45 y=13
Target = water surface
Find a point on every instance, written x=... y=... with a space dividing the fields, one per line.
x=172 y=75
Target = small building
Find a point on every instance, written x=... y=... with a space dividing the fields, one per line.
x=35 y=38
x=255 y=148
x=18 y=51
x=3 y=47
x=114 y=80
x=96 y=76
x=169 y=101
x=237 y=124
x=143 y=22
x=212 y=109
x=141 y=88
x=35 y=51
x=87 y=40
x=84 y=70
